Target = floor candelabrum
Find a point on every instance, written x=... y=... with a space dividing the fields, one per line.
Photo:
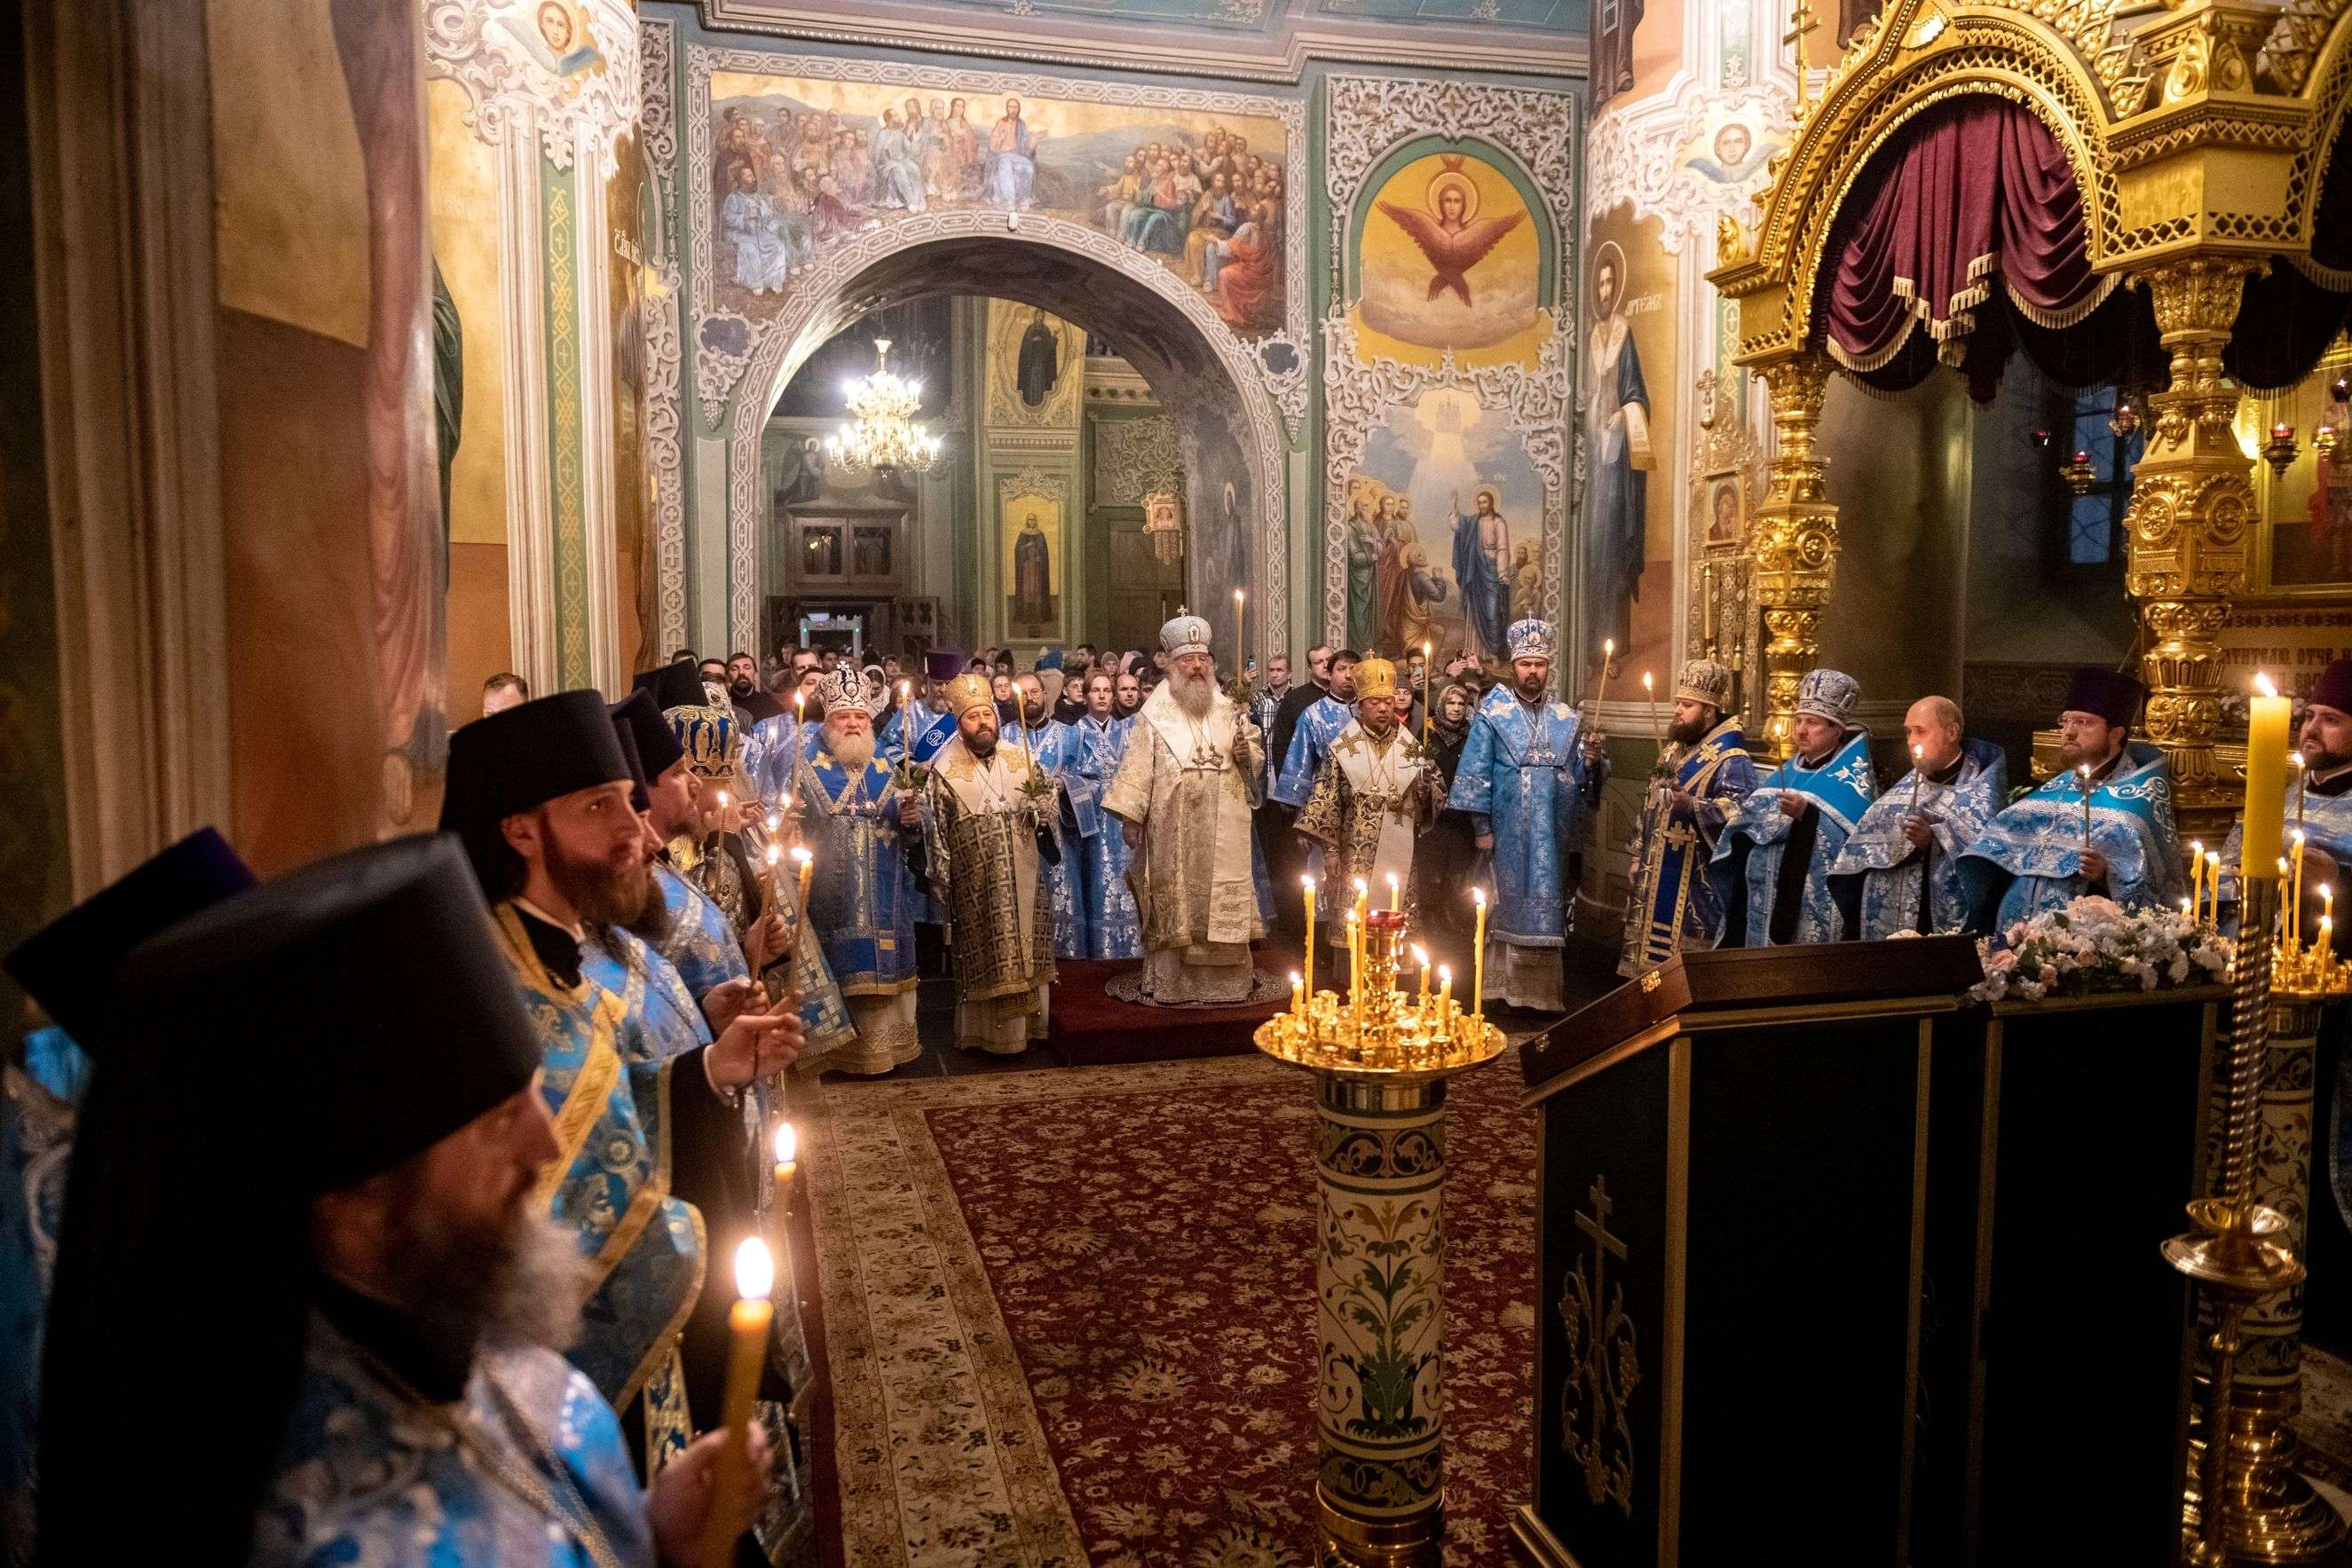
x=1381 y=1054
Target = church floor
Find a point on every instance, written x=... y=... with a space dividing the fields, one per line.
x=1068 y=1317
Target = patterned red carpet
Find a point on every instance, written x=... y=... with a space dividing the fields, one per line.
x=1070 y=1315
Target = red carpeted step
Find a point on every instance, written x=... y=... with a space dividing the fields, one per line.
x=1092 y=1029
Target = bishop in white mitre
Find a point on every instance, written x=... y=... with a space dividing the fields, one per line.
x=1194 y=771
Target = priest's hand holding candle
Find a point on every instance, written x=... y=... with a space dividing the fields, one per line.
x=746 y=1327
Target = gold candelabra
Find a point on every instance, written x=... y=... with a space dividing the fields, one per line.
x=1378 y=1026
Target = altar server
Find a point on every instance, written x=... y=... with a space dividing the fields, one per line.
x=1530 y=779
x=2049 y=848
x=1771 y=867
x=1703 y=773
x=1900 y=868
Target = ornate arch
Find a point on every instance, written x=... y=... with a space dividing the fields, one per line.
x=1873 y=94
x=830 y=290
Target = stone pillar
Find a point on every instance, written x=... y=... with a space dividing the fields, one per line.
x=1793 y=542
x=1379 y=1168
x=2193 y=510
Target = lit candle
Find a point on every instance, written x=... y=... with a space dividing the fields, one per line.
x=1657 y=732
x=776 y=821
x=1240 y=641
x=2279 y=932
x=2327 y=950
x=2281 y=432
x=2214 y=882
x=1355 y=954
x=1608 y=654
x=1396 y=893
x=1420 y=957
x=1445 y=995
x=1478 y=954
x=807 y=862
x=787 y=1150
x=775 y=854
x=732 y=1480
x=1363 y=898
x=2196 y=878
x=1918 y=772
x=2266 y=747
x=1297 y=995
x=905 y=690
x=2083 y=780
x=2295 y=907
x=1309 y=883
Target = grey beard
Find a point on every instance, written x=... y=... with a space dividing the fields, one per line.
x=521 y=1285
x=1194 y=697
x=852 y=751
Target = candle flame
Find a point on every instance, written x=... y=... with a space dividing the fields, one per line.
x=2298 y=835
x=800 y=855
x=2294 y=759
x=2197 y=849
x=788 y=1143
x=1478 y=896
x=1392 y=876
x=1363 y=886
x=1609 y=647
x=2282 y=865
x=2327 y=893
x=1919 y=754
x=1238 y=596
x=1444 y=975
x=2184 y=907
x=775 y=852
x=2213 y=858
x=755 y=1272
x=1307 y=882
x=1350 y=917
x=1294 y=979
x=722 y=799
x=2263 y=684
x=1646 y=681
x=904 y=688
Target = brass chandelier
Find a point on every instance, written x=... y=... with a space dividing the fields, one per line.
x=882 y=431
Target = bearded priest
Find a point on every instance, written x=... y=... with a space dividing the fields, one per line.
x=1772 y=867
x=1377 y=793
x=1529 y=779
x=1702 y=775
x=858 y=825
x=984 y=832
x=2319 y=806
x=1194 y=770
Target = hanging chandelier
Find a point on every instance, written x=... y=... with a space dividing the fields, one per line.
x=882 y=431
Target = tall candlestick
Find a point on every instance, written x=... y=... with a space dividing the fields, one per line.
x=2266 y=747
x=1297 y=995
x=1478 y=956
x=807 y=862
x=1308 y=883
x=1445 y=995
x=1657 y=730
x=1396 y=893
x=1608 y=655
x=2196 y=879
x=2213 y=883
x=2082 y=778
x=1355 y=966
x=747 y=1323
x=1363 y=898
x=1420 y=957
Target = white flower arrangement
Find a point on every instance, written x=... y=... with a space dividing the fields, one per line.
x=2096 y=944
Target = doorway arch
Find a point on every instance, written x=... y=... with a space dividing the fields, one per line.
x=1205 y=376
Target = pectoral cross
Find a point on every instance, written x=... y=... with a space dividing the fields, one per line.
x=1802 y=22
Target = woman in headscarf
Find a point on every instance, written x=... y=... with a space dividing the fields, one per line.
x=1451 y=842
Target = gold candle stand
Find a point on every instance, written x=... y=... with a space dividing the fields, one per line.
x=1379 y=1166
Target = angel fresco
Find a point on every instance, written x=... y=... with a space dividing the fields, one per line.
x=562 y=47
x=1451 y=234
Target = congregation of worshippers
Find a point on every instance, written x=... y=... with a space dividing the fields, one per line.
x=488 y=1237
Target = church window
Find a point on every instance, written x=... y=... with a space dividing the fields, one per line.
x=2094 y=519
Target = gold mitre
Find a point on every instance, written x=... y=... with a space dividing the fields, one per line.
x=1375 y=678
x=967 y=692
x=1704 y=681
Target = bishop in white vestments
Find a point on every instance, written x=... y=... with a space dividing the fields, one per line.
x=1194 y=770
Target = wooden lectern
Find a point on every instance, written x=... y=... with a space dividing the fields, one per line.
x=1767 y=1263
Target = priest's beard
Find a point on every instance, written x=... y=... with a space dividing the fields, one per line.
x=517 y=1280
x=742 y=686
x=980 y=743
x=1690 y=732
x=1194 y=694
x=600 y=892
x=853 y=751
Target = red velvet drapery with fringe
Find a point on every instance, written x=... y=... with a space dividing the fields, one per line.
x=1973 y=196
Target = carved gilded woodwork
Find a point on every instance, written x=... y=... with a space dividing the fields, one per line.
x=2198 y=134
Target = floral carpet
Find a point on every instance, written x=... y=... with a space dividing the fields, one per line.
x=1070 y=1315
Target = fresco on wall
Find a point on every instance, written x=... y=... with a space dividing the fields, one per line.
x=797 y=165
x=1443 y=543
x=1449 y=258
x=1626 y=512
